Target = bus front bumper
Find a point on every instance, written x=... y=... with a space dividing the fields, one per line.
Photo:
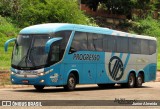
x=33 y=80
x=40 y=80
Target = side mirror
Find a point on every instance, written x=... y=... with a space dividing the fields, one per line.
x=50 y=42
x=7 y=43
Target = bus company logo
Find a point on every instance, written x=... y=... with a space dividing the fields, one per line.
x=116 y=68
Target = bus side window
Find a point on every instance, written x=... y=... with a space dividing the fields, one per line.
x=134 y=46
x=152 y=47
x=111 y=44
x=122 y=44
x=90 y=42
x=144 y=46
x=55 y=52
x=105 y=43
x=98 y=42
x=79 y=41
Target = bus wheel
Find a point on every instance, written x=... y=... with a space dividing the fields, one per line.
x=131 y=80
x=139 y=80
x=39 y=87
x=71 y=82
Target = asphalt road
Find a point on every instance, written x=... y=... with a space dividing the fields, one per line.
x=149 y=91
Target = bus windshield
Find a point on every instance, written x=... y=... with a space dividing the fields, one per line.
x=29 y=51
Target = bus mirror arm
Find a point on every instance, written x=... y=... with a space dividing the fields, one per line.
x=72 y=50
x=7 y=43
x=50 y=42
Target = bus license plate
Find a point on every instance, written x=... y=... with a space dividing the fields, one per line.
x=25 y=81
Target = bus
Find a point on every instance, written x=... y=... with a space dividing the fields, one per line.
x=64 y=55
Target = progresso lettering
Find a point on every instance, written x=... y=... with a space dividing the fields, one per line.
x=88 y=57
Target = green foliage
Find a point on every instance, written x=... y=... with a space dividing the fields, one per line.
x=30 y=12
x=23 y=13
x=7 y=31
x=148 y=26
x=125 y=7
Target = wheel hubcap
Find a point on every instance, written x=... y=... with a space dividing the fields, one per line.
x=131 y=82
x=139 y=80
x=71 y=82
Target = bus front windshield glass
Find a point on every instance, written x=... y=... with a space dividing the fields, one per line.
x=29 y=51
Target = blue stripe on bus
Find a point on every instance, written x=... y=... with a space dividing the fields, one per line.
x=127 y=59
x=112 y=54
x=120 y=55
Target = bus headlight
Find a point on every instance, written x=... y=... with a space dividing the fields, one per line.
x=12 y=73
x=40 y=74
x=12 y=80
x=41 y=81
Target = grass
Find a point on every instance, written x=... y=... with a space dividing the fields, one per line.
x=7 y=31
x=5 y=58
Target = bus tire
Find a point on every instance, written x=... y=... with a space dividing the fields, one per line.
x=139 y=80
x=131 y=80
x=71 y=82
x=39 y=87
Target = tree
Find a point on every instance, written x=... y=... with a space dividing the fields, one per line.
x=125 y=7
x=93 y=4
x=113 y=6
x=119 y=7
x=30 y=12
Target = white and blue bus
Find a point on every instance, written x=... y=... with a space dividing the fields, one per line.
x=59 y=54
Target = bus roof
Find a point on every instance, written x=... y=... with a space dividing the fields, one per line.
x=54 y=27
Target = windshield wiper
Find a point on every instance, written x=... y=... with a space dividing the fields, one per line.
x=27 y=57
x=32 y=62
x=22 y=60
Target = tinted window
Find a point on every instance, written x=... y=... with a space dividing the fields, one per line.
x=65 y=35
x=144 y=46
x=55 y=52
x=108 y=43
x=79 y=41
x=58 y=47
x=91 y=45
x=105 y=44
x=98 y=42
x=134 y=46
x=111 y=44
x=122 y=44
x=152 y=47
